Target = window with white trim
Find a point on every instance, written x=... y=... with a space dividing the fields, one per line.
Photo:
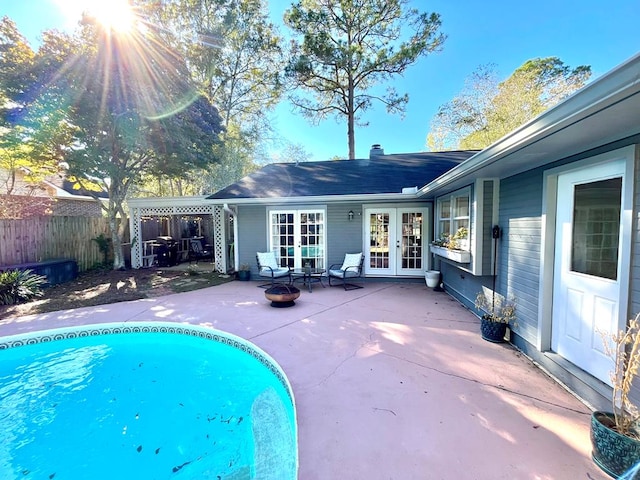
x=453 y=218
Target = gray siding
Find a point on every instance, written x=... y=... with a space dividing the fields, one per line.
x=252 y=233
x=343 y=236
x=488 y=225
x=519 y=251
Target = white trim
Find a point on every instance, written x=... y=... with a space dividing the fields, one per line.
x=476 y=243
x=320 y=199
x=296 y=223
x=548 y=235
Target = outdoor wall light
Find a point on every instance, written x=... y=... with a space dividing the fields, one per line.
x=350 y=215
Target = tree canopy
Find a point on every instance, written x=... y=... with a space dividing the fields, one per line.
x=127 y=105
x=235 y=54
x=487 y=109
x=348 y=49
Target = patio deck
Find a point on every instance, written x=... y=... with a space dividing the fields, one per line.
x=391 y=382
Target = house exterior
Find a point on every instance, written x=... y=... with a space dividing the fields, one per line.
x=315 y=212
x=561 y=194
x=54 y=195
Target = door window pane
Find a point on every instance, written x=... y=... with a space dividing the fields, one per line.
x=412 y=240
x=596 y=228
x=379 y=240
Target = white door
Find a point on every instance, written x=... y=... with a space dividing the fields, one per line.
x=298 y=237
x=589 y=251
x=396 y=241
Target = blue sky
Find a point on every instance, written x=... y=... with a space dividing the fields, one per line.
x=506 y=33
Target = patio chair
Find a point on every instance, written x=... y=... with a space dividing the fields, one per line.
x=197 y=251
x=351 y=268
x=268 y=268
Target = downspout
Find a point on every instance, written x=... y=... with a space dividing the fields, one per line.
x=231 y=211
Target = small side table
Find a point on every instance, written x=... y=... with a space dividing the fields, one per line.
x=309 y=276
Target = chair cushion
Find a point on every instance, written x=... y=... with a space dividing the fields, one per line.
x=267 y=259
x=351 y=260
x=343 y=274
x=277 y=272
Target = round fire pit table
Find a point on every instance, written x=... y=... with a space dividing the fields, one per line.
x=282 y=295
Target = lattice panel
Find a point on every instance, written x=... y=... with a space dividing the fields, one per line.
x=176 y=210
x=134 y=226
x=219 y=237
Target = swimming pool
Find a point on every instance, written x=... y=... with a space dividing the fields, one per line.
x=143 y=401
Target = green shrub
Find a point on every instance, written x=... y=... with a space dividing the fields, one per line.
x=19 y=286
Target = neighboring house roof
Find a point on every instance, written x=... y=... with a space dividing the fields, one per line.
x=380 y=174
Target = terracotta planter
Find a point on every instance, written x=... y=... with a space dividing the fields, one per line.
x=612 y=452
x=492 y=331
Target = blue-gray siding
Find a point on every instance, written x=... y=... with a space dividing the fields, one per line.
x=519 y=252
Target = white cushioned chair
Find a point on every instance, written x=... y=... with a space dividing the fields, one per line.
x=351 y=268
x=268 y=268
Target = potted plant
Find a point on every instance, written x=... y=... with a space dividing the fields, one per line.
x=244 y=272
x=498 y=314
x=453 y=246
x=615 y=436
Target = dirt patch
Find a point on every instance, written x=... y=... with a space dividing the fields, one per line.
x=99 y=287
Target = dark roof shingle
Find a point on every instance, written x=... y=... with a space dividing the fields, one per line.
x=381 y=174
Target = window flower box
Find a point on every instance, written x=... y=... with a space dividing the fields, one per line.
x=459 y=256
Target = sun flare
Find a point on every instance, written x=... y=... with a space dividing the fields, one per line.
x=114 y=15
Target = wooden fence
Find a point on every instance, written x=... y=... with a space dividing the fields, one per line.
x=44 y=238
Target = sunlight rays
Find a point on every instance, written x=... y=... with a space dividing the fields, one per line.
x=140 y=75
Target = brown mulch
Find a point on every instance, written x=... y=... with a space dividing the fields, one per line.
x=99 y=287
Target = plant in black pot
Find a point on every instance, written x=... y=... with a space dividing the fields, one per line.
x=244 y=272
x=615 y=435
x=498 y=313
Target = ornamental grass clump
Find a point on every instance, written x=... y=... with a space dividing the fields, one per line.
x=624 y=349
x=18 y=286
x=496 y=308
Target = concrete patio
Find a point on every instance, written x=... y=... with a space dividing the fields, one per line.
x=391 y=382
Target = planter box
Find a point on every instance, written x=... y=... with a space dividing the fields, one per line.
x=460 y=256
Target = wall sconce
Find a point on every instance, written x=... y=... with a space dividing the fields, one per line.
x=350 y=215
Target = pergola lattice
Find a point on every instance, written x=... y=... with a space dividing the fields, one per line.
x=142 y=207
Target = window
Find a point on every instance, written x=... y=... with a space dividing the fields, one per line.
x=453 y=215
x=596 y=228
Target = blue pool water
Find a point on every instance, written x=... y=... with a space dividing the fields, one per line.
x=143 y=403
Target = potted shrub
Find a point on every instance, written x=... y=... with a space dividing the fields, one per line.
x=615 y=435
x=498 y=314
x=244 y=272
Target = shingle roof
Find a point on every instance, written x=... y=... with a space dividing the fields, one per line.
x=380 y=174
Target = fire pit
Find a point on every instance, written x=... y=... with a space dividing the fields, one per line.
x=281 y=295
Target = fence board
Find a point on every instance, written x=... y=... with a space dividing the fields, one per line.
x=43 y=238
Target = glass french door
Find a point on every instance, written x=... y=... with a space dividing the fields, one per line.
x=298 y=237
x=396 y=241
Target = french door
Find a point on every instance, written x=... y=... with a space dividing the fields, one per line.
x=298 y=237
x=396 y=241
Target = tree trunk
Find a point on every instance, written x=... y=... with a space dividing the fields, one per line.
x=116 y=242
x=351 y=123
